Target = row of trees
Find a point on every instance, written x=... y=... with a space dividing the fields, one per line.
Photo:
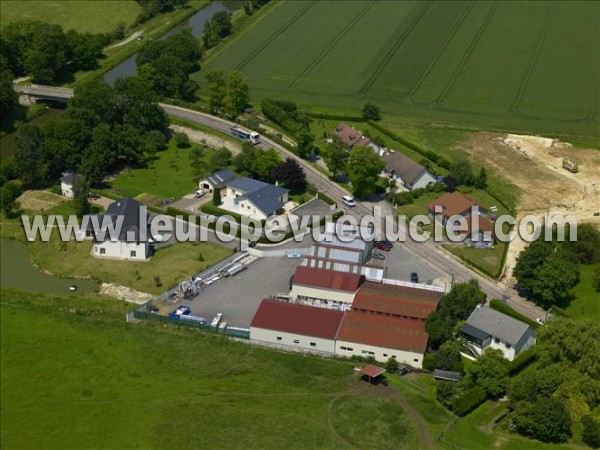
x=216 y=29
x=101 y=130
x=46 y=53
x=229 y=94
x=547 y=271
x=165 y=65
x=152 y=8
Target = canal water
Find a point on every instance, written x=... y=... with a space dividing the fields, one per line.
x=19 y=273
x=197 y=23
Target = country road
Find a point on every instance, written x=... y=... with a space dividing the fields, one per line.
x=428 y=251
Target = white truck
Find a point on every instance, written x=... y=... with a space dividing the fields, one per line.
x=245 y=135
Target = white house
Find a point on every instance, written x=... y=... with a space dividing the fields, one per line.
x=131 y=240
x=254 y=198
x=407 y=172
x=217 y=180
x=67 y=183
x=295 y=327
x=324 y=285
x=487 y=328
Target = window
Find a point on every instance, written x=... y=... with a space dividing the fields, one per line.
x=385 y=355
x=367 y=352
x=296 y=341
x=133 y=253
x=278 y=338
x=496 y=340
x=394 y=356
x=415 y=360
x=313 y=344
x=346 y=349
x=102 y=251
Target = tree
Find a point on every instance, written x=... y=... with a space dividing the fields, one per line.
x=98 y=97
x=30 y=165
x=238 y=93
x=371 y=111
x=264 y=163
x=461 y=171
x=490 y=372
x=9 y=100
x=218 y=90
x=243 y=161
x=218 y=159
x=181 y=139
x=391 y=365
x=546 y=420
x=448 y=356
x=456 y=305
x=364 y=167
x=336 y=158
x=8 y=194
x=216 y=200
x=290 y=173
x=481 y=179
x=554 y=280
x=596 y=280
x=221 y=24
x=590 y=434
x=81 y=202
x=529 y=261
x=306 y=144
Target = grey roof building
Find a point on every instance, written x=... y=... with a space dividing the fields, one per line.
x=217 y=180
x=266 y=197
x=412 y=174
x=487 y=327
x=130 y=211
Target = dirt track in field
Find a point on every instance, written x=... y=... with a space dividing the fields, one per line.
x=534 y=164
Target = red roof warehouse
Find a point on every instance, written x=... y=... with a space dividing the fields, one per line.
x=399 y=301
x=297 y=319
x=327 y=279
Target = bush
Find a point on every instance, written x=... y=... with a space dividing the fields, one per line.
x=181 y=139
x=216 y=211
x=470 y=400
x=429 y=362
x=391 y=365
x=591 y=431
x=521 y=362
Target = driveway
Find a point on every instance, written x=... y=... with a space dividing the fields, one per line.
x=190 y=203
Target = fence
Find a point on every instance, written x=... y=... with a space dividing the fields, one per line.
x=275 y=253
x=426 y=287
x=240 y=333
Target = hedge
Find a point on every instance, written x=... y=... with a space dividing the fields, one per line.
x=521 y=362
x=468 y=401
x=326 y=116
x=209 y=208
x=504 y=308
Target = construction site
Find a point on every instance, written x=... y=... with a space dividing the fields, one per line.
x=553 y=176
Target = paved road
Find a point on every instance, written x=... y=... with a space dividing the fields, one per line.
x=427 y=251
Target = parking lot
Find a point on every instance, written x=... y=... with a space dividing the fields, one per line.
x=238 y=297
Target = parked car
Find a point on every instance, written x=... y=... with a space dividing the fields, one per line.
x=540 y=321
x=200 y=193
x=414 y=277
x=93 y=196
x=348 y=200
x=183 y=310
x=382 y=246
x=377 y=255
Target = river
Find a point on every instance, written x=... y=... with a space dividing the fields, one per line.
x=19 y=273
x=197 y=22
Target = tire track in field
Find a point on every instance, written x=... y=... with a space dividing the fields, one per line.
x=274 y=36
x=466 y=55
x=533 y=61
x=332 y=44
x=455 y=27
x=388 y=57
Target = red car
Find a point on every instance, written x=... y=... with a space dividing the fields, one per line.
x=383 y=246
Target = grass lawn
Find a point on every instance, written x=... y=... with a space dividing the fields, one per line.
x=480 y=65
x=487 y=259
x=83 y=378
x=586 y=303
x=169 y=175
x=171 y=264
x=91 y=16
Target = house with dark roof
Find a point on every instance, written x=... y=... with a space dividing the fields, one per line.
x=68 y=182
x=351 y=137
x=407 y=172
x=453 y=205
x=129 y=220
x=325 y=287
x=487 y=328
x=295 y=327
x=217 y=180
x=253 y=198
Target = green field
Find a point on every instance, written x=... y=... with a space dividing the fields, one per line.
x=586 y=303
x=524 y=66
x=90 y=16
x=83 y=378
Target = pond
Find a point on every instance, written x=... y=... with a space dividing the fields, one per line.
x=197 y=22
x=19 y=273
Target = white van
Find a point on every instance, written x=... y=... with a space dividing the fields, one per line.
x=348 y=200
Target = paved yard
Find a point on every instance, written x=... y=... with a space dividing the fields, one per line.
x=190 y=203
x=238 y=297
x=314 y=207
x=400 y=263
